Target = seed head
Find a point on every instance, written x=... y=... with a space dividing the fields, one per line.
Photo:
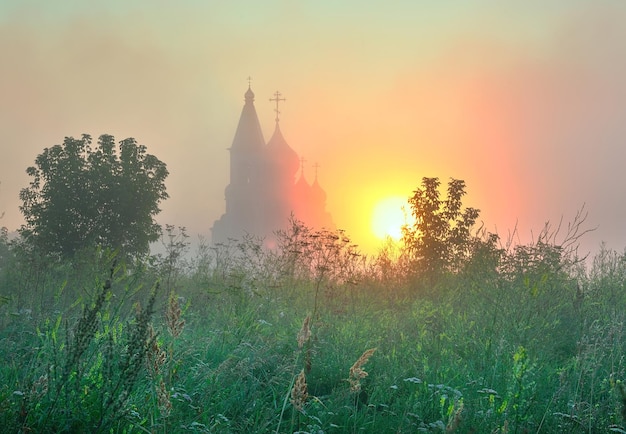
x=299 y=393
x=356 y=371
x=305 y=332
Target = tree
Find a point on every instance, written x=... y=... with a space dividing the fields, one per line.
x=440 y=239
x=79 y=196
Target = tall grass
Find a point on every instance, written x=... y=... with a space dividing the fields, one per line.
x=241 y=339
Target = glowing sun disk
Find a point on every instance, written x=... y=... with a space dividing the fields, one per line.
x=388 y=217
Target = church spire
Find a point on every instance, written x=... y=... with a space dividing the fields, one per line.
x=249 y=95
x=249 y=134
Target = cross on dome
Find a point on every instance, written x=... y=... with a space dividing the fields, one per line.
x=277 y=98
x=316 y=166
x=302 y=161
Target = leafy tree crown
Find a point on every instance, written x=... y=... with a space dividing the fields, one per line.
x=81 y=195
x=440 y=238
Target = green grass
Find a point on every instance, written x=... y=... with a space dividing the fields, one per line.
x=91 y=347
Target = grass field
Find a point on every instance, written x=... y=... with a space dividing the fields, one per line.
x=314 y=339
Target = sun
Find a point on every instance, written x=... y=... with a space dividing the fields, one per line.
x=388 y=217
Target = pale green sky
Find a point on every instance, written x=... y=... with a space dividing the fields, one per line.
x=523 y=100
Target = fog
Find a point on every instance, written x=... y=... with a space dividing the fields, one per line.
x=525 y=102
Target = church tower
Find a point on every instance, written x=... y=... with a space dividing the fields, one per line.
x=263 y=192
x=241 y=195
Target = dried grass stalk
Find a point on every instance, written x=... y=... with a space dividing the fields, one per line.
x=156 y=356
x=39 y=388
x=163 y=396
x=305 y=332
x=356 y=371
x=175 y=324
x=299 y=393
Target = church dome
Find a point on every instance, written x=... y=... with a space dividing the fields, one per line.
x=302 y=187
x=317 y=192
x=281 y=154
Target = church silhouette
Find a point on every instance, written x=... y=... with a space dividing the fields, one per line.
x=263 y=192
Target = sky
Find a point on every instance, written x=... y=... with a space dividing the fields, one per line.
x=525 y=101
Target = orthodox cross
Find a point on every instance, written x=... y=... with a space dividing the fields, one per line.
x=302 y=161
x=277 y=98
x=249 y=81
x=316 y=166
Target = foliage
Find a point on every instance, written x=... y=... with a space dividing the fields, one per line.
x=4 y=247
x=87 y=362
x=245 y=339
x=439 y=239
x=4 y=244
x=327 y=258
x=79 y=196
x=172 y=262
